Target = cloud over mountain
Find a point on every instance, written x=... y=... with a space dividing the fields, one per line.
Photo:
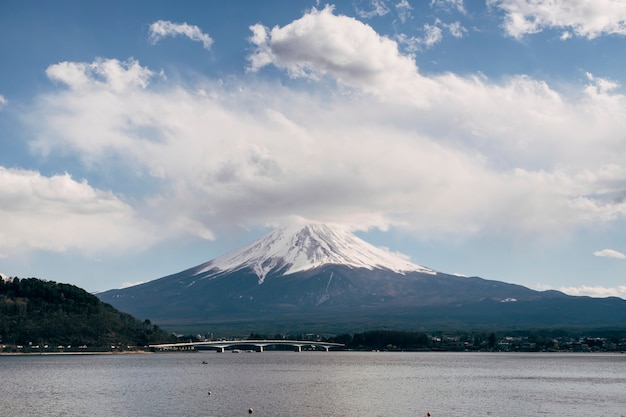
x=443 y=154
x=485 y=138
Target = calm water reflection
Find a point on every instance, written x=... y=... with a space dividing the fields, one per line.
x=314 y=384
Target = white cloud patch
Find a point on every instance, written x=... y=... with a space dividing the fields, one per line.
x=3 y=101
x=584 y=18
x=403 y=8
x=610 y=253
x=377 y=8
x=58 y=214
x=162 y=29
x=442 y=155
x=456 y=29
x=432 y=35
x=585 y=290
x=110 y=74
x=601 y=85
x=449 y=5
x=565 y=36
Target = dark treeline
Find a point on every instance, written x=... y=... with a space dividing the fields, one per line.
x=529 y=340
x=518 y=340
x=385 y=340
x=38 y=312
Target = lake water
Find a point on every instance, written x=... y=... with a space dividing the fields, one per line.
x=317 y=384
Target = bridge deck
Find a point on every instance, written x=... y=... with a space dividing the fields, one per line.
x=222 y=345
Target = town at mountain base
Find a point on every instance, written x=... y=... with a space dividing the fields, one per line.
x=325 y=279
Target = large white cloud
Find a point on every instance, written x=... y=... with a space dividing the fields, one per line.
x=441 y=154
x=586 y=18
x=58 y=213
x=322 y=43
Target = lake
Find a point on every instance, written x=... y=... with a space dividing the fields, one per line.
x=317 y=384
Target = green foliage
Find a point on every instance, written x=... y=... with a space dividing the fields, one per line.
x=45 y=312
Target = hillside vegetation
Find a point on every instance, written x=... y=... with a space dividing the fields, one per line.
x=35 y=312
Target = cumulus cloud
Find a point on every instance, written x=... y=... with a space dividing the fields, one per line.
x=162 y=29
x=58 y=213
x=610 y=253
x=322 y=43
x=585 y=18
x=439 y=154
x=3 y=101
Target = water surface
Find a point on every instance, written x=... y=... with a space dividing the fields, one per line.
x=317 y=384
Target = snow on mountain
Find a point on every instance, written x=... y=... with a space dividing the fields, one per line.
x=300 y=248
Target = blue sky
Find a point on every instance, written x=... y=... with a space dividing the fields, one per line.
x=141 y=138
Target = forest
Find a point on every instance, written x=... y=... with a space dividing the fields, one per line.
x=35 y=312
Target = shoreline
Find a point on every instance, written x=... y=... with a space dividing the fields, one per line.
x=134 y=352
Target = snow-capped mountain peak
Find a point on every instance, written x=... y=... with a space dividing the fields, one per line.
x=300 y=248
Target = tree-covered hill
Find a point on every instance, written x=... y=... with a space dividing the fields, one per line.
x=37 y=312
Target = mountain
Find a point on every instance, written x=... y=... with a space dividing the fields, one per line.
x=302 y=248
x=321 y=278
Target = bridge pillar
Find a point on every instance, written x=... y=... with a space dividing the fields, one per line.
x=260 y=348
x=298 y=348
x=220 y=349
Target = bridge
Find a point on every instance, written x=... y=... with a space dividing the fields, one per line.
x=258 y=345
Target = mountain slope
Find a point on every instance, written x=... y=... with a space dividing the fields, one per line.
x=319 y=277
